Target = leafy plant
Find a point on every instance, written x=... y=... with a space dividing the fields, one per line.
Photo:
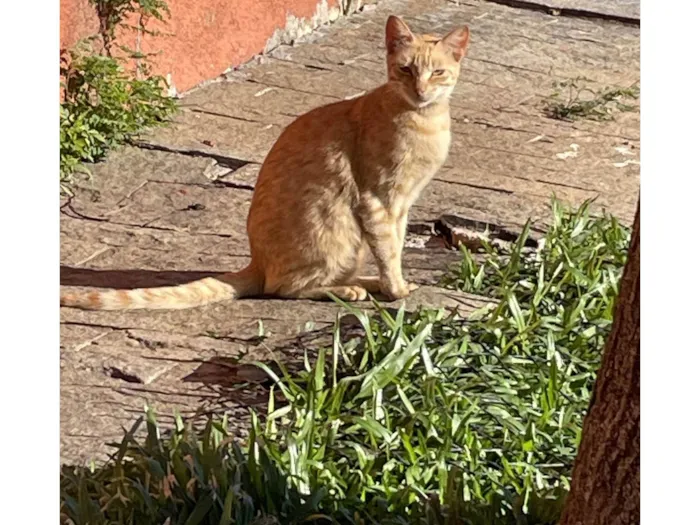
x=572 y=100
x=104 y=105
x=425 y=418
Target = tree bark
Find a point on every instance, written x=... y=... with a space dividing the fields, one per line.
x=605 y=484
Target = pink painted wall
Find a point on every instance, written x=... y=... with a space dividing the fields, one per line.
x=208 y=36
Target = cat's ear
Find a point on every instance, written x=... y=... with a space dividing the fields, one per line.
x=397 y=34
x=457 y=42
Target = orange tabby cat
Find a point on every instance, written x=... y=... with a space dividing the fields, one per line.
x=338 y=183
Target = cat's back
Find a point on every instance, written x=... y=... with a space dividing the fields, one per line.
x=305 y=188
x=307 y=169
x=322 y=130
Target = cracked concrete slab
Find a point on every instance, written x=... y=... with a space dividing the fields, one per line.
x=174 y=208
x=625 y=11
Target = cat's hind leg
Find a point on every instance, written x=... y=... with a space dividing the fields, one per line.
x=373 y=284
x=349 y=293
x=309 y=284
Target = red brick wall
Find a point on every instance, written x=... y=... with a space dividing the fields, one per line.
x=209 y=36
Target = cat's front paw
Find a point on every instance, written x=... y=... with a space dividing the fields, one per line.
x=397 y=291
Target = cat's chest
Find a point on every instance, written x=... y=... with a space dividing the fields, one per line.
x=428 y=148
x=424 y=149
x=407 y=151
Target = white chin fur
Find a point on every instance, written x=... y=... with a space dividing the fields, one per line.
x=421 y=103
x=417 y=103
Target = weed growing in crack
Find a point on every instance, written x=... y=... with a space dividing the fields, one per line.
x=113 y=13
x=425 y=418
x=572 y=100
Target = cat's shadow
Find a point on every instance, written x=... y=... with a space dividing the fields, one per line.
x=128 y=279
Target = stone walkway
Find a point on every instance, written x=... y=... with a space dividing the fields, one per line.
x=174 y=208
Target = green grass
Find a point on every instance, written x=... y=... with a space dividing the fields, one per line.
x=572 y=100
x=427 y=417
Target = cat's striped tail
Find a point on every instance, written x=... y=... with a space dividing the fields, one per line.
x=244 y=283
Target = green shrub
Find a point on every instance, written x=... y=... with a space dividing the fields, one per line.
x=104 y=106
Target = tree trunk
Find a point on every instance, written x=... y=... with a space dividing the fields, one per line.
x=605 y=484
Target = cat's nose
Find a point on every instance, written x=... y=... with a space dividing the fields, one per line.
x=420 y=90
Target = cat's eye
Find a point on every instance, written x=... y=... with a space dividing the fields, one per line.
x=438 y=72
x=406 y=70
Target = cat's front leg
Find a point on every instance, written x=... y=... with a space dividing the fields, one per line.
x=401 y=226
x=401 y=229
x=382 y=231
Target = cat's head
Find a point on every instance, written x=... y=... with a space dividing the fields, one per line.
x=425 y=67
